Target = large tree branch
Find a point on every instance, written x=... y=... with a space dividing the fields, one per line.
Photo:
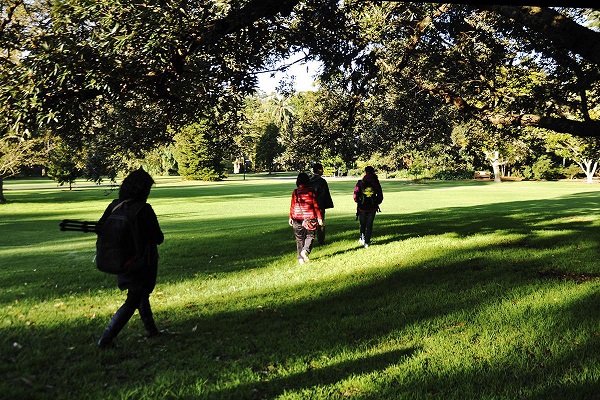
x=562 y=31
x=589 y=128
x=240 y=19
x=419 y=30
x=8 y=15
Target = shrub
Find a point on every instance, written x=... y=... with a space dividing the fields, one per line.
x=545 y=168
x=205 y=174
x=454 y=174
x=356 y=172
x=572 y=171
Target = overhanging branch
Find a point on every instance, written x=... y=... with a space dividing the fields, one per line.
x=589 y=128
x=562 y=31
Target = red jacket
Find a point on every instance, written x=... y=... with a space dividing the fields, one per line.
x=304 y=204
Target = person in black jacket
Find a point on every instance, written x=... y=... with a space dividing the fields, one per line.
x=139 y=284
x=324 y=201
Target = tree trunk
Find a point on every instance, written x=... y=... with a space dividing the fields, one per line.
x=494 y=160
x=589 y=169
x=2 y=198
x=497 y=173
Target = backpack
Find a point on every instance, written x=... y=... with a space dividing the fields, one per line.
x=367 y=198
x=118 y=247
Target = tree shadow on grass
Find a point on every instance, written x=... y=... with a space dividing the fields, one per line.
x=253 y=349
x=253 y=241
x=383 y=310
x=312 y=377
x=518 y=216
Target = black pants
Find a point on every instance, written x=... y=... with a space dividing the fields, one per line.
x=366 y=225
x=137 y=299
x=321 y=230
x=304 y=237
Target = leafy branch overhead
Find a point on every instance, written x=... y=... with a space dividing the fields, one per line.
x=110 y=78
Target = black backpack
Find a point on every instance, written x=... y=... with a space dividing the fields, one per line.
x=367 y=198
x=118 y=247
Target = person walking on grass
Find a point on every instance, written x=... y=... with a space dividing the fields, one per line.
x=305 y=216
x=319 y=184
x=140 y=283
x=367 y=196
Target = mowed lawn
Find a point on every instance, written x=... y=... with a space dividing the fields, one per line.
x=470 y=290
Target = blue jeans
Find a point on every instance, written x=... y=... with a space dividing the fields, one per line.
x=366 y=225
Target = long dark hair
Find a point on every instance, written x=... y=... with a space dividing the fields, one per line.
x=302 y=179
x=136 y=186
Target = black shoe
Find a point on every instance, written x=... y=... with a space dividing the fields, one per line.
x=105 y=343
x=153 y=334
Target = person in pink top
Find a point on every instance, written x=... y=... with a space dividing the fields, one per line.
x=305 y=216
x=367 y=196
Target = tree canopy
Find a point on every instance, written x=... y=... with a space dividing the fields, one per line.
x=111 y=76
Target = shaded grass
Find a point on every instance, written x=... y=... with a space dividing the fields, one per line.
x=453 y=300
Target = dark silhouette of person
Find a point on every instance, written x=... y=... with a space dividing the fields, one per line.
x=324 y=200
x=139 y=284
x=368 y=196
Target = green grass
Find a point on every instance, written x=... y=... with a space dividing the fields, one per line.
x=471 y=290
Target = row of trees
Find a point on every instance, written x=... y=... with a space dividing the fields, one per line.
x=277 y=134
x=113 y=80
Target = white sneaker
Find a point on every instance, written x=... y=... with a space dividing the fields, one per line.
x=304 y=255
x=366 y=246
x=301 y=261
x=361 y=241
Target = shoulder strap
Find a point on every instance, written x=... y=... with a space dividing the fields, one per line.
x=137 y=207
x=115 y=208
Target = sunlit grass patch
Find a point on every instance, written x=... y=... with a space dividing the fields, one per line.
x=469 y=290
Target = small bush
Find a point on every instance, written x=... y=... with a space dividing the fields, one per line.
x=572 y=171
x=454 y=174
x=545 y=168
x=355 y=172
x=205 y=174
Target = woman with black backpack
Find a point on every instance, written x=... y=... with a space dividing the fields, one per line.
x=133 y=193
x=367 y=196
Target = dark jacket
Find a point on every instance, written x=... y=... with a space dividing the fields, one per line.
x=372 y=180
x=151 y=236
x=304 y=204
x=322 y=189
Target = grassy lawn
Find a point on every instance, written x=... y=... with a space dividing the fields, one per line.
x=470 y=290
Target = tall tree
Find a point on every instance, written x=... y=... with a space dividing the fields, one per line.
x=585 y=152
x=268 y=148
x=64 y=165
x=200 y=151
